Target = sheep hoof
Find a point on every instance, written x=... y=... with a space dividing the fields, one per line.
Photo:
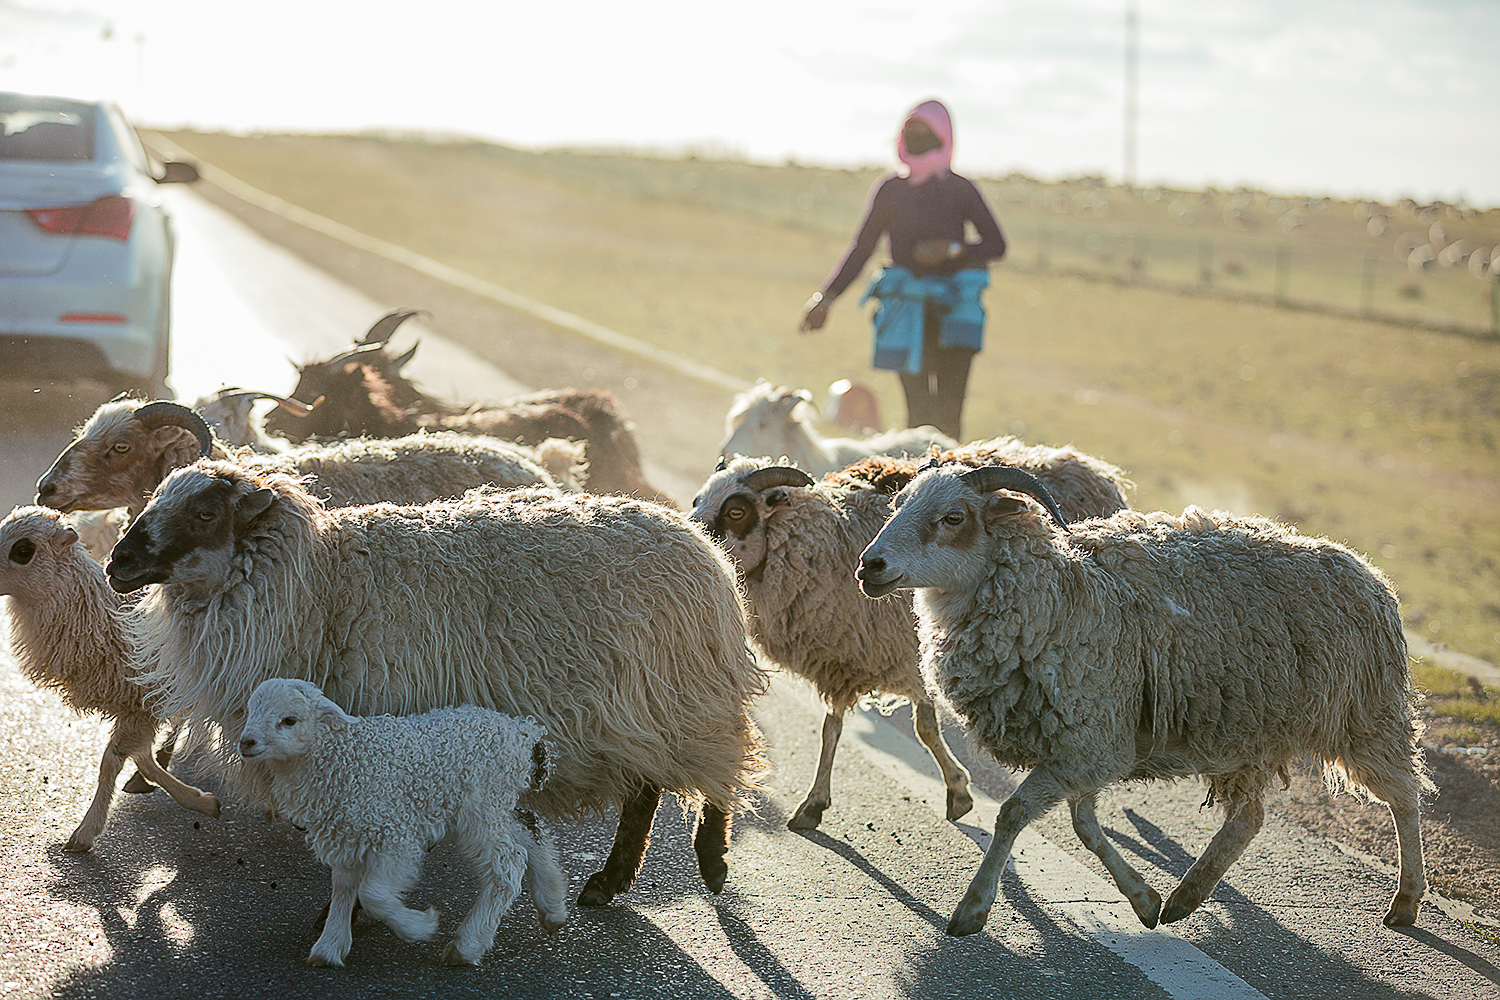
x=320 y=961
x=208 y=805
x=1403 y=912
x=807 y=816
x=75 y=845
x=452 y=956
x=964 y=925
x=1148 y=911
x=594 y=892
x=1175 y=912
x=714 y=874
x=959 y=805
x=138 y=785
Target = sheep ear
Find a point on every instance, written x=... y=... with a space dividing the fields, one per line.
x=998 y=505
x=327 y=711
x=251 y=506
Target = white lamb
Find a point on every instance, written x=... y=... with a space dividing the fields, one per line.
x=770 y=422
x=375 y=793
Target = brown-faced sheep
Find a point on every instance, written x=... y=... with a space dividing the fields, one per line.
x=67 y=637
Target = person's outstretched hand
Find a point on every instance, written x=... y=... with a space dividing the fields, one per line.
x=815 y=315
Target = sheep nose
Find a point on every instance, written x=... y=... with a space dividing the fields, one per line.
x=873 y=564
x=44 y=491
x=246 y=744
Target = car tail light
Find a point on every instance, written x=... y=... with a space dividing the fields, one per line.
x=109 y=216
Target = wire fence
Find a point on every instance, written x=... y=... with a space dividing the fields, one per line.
x=1460 y=295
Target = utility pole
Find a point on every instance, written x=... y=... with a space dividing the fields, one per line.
x=1132 y=79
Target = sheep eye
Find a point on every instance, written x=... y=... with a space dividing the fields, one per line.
x=121 y=448
x=954 y=517
x=205 y=515
x=288 y=722
x=22 y=551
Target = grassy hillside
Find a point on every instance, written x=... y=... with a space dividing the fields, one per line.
x=1378 y=434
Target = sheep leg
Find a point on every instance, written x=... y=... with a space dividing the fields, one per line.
x=924 y=719
x=386 y=879
x=1144 y=900
x=711 y=844
x=820 y=796
x=632 y=836
x=183 y=794
x=1038 y=793
x=337 y=937
x=544 y=877
x=1399 y=791
x=501 y=863
x=137 y=784
x=98 y=812
x=1228 y=844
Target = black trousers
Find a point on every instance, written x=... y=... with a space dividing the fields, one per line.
x=935 y=395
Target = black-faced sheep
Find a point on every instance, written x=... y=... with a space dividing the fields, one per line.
x=1146 y=646
x=67 y=637
x=613 y=621
x=797 y=545
x=128 y=447
x=374 y=794
x=768 y=422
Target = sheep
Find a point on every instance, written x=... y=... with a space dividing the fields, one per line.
x=778 y=422
x=374 y=794
x=230 y=414
x=127 y=448
x=1082 y=485
x=1146 y=646
x=613 y=621
x=796 y=545
x=361 y=392
x=66 y=637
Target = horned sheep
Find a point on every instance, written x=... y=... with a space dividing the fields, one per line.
x=797 y=544
x=374 y=794
x=770 y=422
x=1149 y=646
x=129 y=446
x=67 y=637
x=361 y=392
x=613 y=621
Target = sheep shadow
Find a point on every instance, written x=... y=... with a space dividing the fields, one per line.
x=231 y=908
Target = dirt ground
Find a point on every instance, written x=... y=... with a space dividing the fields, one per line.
x=1460 y=824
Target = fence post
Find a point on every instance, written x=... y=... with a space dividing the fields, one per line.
x=1495 y=302
x=1367 y=284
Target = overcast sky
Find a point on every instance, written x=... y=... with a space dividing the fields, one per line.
x=1378 y=98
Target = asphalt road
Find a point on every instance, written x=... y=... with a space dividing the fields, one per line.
x=169 y=904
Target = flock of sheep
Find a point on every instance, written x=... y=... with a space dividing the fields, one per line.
x=487 y=615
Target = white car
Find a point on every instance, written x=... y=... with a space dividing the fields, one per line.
x=86 y=247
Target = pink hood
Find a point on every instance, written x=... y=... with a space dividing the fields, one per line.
x=921 y=166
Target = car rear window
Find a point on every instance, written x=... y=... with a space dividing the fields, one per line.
x=45 y=129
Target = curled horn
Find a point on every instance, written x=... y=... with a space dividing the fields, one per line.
x=385 y=326
x=167 y=414
x=357 y=351
x=776 y=475
x=295 y=407
x=1005 y=477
